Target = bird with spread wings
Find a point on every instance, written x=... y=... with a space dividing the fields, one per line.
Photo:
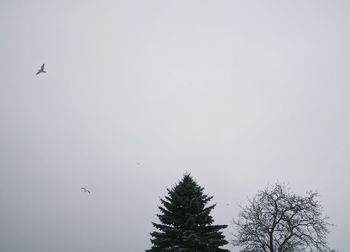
x=85 y=190
x=41 y=70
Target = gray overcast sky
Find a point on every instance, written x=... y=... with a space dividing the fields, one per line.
x=239 y=93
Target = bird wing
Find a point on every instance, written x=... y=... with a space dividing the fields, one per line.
x=43 y=66
x=39 y=71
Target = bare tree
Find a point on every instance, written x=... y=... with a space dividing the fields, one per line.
x=277 y=220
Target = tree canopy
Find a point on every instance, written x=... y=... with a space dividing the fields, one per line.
x=185 y=221
x=277 y=220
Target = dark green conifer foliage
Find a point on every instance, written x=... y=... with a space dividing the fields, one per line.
x=185 y=221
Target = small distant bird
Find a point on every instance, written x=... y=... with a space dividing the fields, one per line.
x=41 y=70
x=85 y=190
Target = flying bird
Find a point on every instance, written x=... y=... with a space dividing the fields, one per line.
x=85 y=190
x=41 y=70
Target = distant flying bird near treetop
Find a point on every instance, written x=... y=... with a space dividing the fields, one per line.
x=41 y=70
x=85 y=190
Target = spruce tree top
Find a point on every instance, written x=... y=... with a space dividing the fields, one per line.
x=185 y=221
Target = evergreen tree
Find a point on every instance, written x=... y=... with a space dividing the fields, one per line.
x=185 y=221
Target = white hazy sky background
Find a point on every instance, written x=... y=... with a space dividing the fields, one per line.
x=239 y=93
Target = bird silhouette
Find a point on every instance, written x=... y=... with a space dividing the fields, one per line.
x=85 y=190
x=41 y=70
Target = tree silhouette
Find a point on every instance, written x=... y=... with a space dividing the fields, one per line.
x=277 y=220
x=185 y=221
